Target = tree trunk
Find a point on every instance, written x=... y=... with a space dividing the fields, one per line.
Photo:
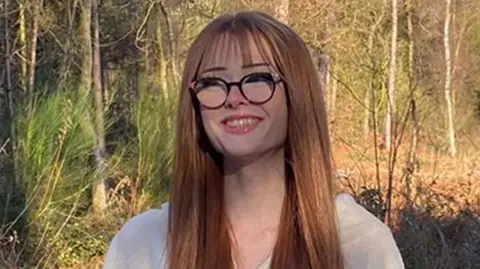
x=97 y=79
x=32 y=63
x=326 y=85
x=390 y=130
x=100 y=197
x=367 y=112
x=105 y=84
x=448 y=78
x=171 y=45
x=22 y=36
x=333 y=100
x=98 y=192
x=13 y=137
x=330 y=70
x=162 y=61
x=412 y=158
x=87 y=65
x=389 y=122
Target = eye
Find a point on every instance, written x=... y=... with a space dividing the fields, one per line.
x=259 y=77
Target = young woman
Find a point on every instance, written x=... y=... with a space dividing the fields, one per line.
x=252 y=182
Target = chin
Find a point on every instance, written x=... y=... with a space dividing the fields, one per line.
x=239 y=152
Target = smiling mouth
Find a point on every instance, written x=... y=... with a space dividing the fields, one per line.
x=241 y=122
x=240 y=125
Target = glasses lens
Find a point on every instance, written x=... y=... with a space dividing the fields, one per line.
x=258 y=87
x=211 y=92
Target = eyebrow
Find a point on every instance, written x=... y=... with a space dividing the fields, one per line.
x=245 y=66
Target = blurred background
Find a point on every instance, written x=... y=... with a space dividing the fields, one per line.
x=88 y=91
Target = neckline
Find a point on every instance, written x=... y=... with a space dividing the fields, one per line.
x=263 y=263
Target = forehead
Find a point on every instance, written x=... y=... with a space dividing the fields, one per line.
x=234 y=51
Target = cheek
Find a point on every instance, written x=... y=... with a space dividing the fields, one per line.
x=282 y=122
x=209 y=123
x=278 y=109
x=278 y=113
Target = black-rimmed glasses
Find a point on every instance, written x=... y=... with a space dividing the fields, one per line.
x=258 y=88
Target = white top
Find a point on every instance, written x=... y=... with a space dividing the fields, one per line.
x=366 y=242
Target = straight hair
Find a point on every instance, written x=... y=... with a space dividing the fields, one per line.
x=198 y=235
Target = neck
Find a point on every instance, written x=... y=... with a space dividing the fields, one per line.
x=254 y=190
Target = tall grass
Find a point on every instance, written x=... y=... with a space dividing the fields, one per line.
x=55 y=142
x=52 y=214
x=146 y=157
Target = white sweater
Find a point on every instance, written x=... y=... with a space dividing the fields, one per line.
x=366 y=242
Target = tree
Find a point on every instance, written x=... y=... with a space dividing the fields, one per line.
x=100 y=197
x=32 y=61
x=9 y=94
x=86 y=45
x=91 y=68
x=448 y=78
x=170 y=34
x=22 y=37
x=28 y=43
x=389 y=122
x=412 y=158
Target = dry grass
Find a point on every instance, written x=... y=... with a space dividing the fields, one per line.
x=437 y=223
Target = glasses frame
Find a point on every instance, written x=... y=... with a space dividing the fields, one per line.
x=276 y=78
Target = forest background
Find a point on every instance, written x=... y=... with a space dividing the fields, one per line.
x=88 y=91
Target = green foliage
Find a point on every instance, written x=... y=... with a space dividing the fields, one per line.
x=148 y=154
x=82 y=239
x=55 y=141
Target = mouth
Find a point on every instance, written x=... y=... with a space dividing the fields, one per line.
x=240 y=124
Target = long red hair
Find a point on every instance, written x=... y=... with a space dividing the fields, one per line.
x=199 y=236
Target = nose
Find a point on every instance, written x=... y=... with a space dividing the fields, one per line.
x=235 y=98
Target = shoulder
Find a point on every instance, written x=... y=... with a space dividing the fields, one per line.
x=366 y=241
x=139 y=241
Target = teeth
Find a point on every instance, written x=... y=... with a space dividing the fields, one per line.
x=241 y=122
